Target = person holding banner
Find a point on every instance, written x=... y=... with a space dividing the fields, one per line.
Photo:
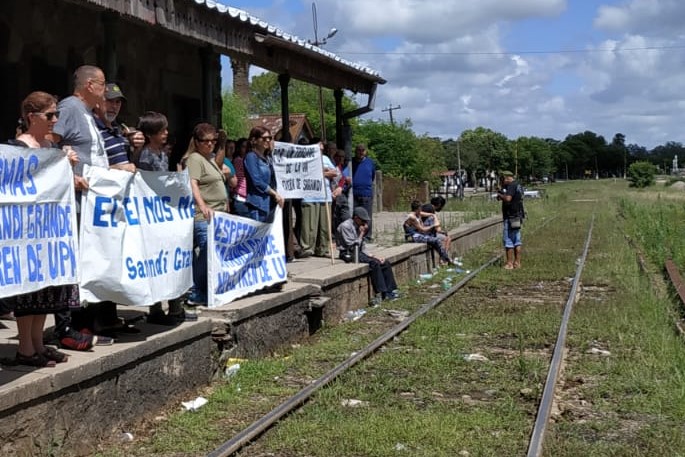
x=40 y=114
x=262 y=196
x=209 y=192
x=316 y=235
x=76 y=128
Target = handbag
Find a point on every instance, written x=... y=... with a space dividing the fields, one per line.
x=515 y=223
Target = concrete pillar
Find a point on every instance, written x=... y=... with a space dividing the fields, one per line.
x=241 y=78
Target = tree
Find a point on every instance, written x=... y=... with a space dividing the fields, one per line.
x=234 y=115
x=534 y=157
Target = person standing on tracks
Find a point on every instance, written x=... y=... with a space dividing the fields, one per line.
x=511 y=196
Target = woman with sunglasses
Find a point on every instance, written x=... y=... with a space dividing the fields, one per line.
x=209 y=192
x=39 y=114
x=262 y=196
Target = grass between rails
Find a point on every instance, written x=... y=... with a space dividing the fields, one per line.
x=422 y=398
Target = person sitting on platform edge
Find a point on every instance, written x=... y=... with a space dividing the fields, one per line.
x=350 y=237
x=416 y=232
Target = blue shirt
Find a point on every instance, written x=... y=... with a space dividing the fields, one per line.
x=116 y=145
x=260 y=178
x=363 y=175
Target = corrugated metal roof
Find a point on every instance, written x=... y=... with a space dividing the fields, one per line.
x=244 y=16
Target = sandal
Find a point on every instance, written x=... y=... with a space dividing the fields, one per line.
x=55 y=355
x=508 y=266
x=35 y=360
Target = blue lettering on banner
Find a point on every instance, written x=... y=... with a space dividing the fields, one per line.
x=182 y=259
x=128 y=214
x=61 y=259
x=16 y=175
x=10 y=271
x=147 y=268
x=279 y=265
x=186 y=207
x=48 y=220
x=230 y=231
x=239 y=254
x=34 y=263
x=157 y=209
x=11 y=218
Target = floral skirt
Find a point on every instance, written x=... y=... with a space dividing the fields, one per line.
x=45 y=301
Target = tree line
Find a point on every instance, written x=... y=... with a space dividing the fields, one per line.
x=401 y=152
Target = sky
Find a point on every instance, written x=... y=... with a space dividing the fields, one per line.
x=545 y=68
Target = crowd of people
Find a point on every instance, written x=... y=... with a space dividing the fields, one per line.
x=233 y=176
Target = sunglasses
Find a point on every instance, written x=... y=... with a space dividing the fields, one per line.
x=267 y=138
x=207 y=140
x=49 y=115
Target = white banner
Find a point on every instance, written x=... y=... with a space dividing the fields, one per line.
x=136 y=236
x=38 y=244
x=299 y=171
x=243 y=256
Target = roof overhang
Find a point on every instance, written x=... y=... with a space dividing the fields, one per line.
x=238 y=34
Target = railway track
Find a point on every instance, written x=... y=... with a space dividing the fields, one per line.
x=535 y=445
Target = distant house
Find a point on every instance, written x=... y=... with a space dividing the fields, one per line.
x=300 y=129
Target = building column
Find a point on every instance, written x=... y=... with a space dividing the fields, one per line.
x=241 y=78
x=284 y=80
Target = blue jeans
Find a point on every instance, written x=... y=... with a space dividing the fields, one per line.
x=241 y=209
x=511 y=237
x=199 y=289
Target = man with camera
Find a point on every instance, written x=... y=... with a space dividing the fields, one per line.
x=350 y=241
x=510 y=194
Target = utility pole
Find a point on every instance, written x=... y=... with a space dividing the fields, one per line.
x=316 y=42
x=390 y=109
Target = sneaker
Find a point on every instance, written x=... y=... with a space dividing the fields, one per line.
x=98 y=340
x=71 y=339
x=376 y=300
x=196 y=300
x=392 y=296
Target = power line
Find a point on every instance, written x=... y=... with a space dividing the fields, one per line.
x=513 y=53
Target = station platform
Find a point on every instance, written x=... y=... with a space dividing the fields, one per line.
x=99 y=392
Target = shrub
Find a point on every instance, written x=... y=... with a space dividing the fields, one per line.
x=641 y=174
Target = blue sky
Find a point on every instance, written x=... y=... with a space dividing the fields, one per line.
x=544 y=68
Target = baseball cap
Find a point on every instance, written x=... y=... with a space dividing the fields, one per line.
x=113 y=91
x=361 y=214
x=506 y=173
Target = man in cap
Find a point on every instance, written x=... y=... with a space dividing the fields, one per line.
x=350 y=240
x=120 y=142
x=511 y=196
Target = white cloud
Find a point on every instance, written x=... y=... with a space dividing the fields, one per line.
x=447 y=64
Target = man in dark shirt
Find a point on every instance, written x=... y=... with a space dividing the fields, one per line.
x=511 y=195
x=350 y=237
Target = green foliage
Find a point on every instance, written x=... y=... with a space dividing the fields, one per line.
x=533 y=157
x=265 y=98
x=641 y=174
x=234 y=115
x=399 y=152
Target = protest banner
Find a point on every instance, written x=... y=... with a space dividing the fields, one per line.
x=299 y=171
x=136 y=236
x=38 y=244
x=243 y=256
